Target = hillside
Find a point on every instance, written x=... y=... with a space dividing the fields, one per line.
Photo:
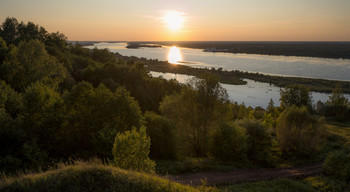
x=90 y=177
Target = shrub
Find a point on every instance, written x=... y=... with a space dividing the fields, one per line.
x=229 y=142
x=130 y=150
x=337 y=164
x=299 y=133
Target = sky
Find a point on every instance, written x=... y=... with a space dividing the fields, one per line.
x=201 y=20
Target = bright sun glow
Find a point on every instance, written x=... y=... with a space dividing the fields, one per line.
x=174 y=55
x=174 y=19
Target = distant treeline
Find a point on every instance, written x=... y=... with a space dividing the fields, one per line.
x=235 y=77
x=306 y=49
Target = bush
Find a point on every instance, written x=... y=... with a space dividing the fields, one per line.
x=299 y=133
x=163 y=136
x=130 y=150
x=229 y=142
x=259 y=140
x=337 y=164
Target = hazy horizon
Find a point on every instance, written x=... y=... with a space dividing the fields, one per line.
x=253 y=20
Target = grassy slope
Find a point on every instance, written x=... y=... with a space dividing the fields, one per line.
x=91 y=177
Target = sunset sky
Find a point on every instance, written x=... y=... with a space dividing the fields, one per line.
x=191 y=20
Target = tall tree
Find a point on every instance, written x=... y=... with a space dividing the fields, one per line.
x=9 y=30
x=297 y=95
x=197 y=109
x=30 y=63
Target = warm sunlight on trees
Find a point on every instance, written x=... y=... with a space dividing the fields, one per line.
x=30 y=62
x=130 y=151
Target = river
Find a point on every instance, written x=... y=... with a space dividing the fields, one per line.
x=253 y=93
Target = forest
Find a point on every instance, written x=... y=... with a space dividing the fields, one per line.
x=62 y=103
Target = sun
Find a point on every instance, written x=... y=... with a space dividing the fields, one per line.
x=173 y=20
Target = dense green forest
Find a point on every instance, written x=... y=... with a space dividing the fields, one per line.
x=61 y=102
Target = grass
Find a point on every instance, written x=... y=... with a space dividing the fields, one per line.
x=323 y=184
x=277 y=185
x=85 y=176
x=338 y=136
x=310 y=184
x=194 y=165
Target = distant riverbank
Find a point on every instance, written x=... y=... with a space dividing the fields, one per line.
x=335 y=50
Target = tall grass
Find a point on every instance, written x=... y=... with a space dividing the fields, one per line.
x=91 y=176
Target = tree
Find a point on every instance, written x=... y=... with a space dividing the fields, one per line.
x=94 y=117
x=9 y=30
x=258 y=140
x=3 y=51
x=43 y=115
x=297 y=95
x=271 y=106
x=229 y=142
x=337 y=105
x=10 y=100
x=30 y=63
x=131 y=149
x=197 y=109
x=163 y=134
x=299 y=133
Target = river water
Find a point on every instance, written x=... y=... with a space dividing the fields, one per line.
x=253 y=93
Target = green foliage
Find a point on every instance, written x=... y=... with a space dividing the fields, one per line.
x=30 y=63
x=229 y=143
x=163 y=134
x=337 y=105
x=96 y=115
x=43 y=112
x=337 y=164
x=279 y=185
x=9 y=30
x=259 y=141
x=3 y=50
x=297 y=95
x=130 y=151
x=12 y=137
x=197 y=110
x=10 y=100
x=92 y=177
x=299 y=133
x=33 y=157
x=326 y=183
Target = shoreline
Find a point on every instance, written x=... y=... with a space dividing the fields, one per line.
x=234 y=77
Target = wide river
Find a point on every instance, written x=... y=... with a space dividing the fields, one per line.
x=253 y=93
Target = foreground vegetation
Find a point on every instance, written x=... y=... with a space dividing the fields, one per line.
x=61 y=102
x=83 y=176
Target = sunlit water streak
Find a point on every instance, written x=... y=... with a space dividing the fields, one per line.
x=174 y=55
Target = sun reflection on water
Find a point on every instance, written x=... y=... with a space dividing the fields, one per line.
x=174 y=55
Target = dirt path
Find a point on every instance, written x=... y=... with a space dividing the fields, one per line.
x=247 y=175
